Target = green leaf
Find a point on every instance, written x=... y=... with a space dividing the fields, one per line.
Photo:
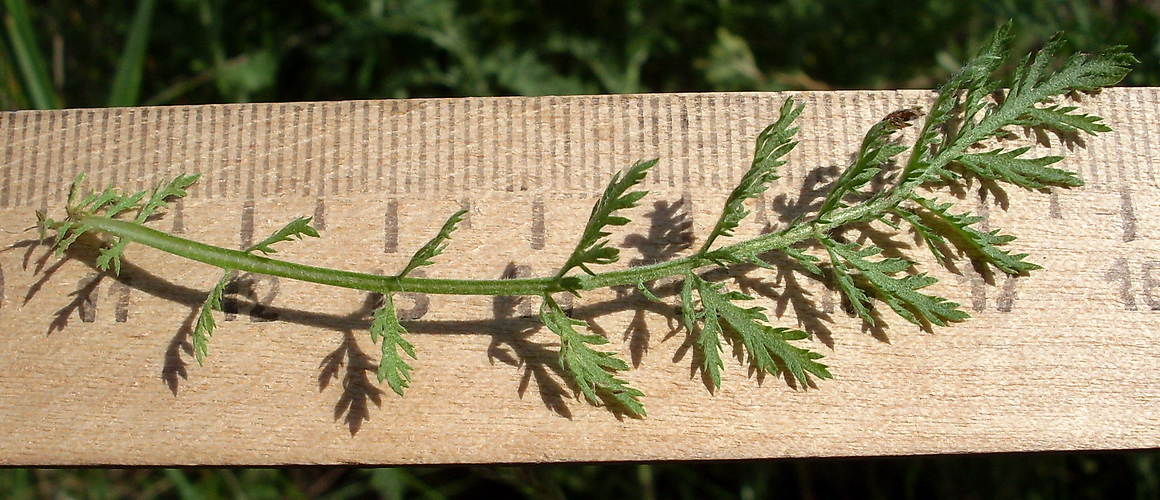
x=1035 y=84
x=708 y=338
x=688 y=304
x=593 y=245
x=807 y=261
x=593 y=371
x=206 y=324
x=1081 y=72
x=111 y=256
x=977 y=244
x=298 y=228
x=121 y=203
x=767 y=348
x=1007 y=166
x=165 y=192
x=845 y=280
x=1029 y=102
x=435 y=246
x=933 y=240
x=772 y=145
x=877 y=150
x=648 y=294
x=112 y=203
x=965 y=91
x=388 y=333
x=901 y=294
x=1062 y=118
x=66 y=233
x=98 y=202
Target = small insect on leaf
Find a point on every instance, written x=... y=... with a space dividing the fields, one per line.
x=903 y=117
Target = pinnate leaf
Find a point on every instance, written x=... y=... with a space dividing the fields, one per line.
x=1008 y=166
x=111 y=256
x=807 y=261
x=205 y=325
x=703 y=323
x=977 y=244
x=164 y=193
x=298 y=228
x=388 y=333
x=593 y=371
x=1029 y=102
x=845 y=281
x=1062 y=119
x=773 y=144
x=203 y=329
x=767 y=348
x=436 y=245
x=593 y=245
x=877 y=150
x=901 y=294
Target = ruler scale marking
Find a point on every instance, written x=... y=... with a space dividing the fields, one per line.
x=6 y=174
x=27 y=172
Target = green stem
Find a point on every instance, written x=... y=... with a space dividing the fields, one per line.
x=239 y=260
x=244 y=261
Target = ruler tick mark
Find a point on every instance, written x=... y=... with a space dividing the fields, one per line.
x=538 y=229
x=1127 y=214
x=319 y=219
x=391 y=227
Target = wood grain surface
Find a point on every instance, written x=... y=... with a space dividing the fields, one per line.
x=96 y=369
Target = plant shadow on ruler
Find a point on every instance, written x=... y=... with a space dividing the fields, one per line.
x=842 y=229
x=514 y=321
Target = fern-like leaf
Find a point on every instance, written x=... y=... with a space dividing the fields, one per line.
x=977 y=244
x=934 y=241
x=112 y=203
x=773 y=144
x=435 y=246
x=901 y=294
x=164 y=193
x=1029 y=102
x=708 y=337
x=593 y=245
x=877 y=150
x=1063 y=119
x=844 y=278
x=1036 y=84
x=1009 y=167
x=203 y=329
x=296 y=229
x=593 y=371
x=807 y=261
x=111 y=256
x=767 y=348
x=388 y=333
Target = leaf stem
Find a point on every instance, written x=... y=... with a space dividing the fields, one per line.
x=243 y=261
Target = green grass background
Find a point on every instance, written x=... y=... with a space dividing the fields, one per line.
x=92 y=53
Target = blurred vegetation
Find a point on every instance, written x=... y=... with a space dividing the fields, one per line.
x=1120 y=476
x=91 y=53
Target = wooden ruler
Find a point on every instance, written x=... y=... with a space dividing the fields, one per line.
x=97 y=369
